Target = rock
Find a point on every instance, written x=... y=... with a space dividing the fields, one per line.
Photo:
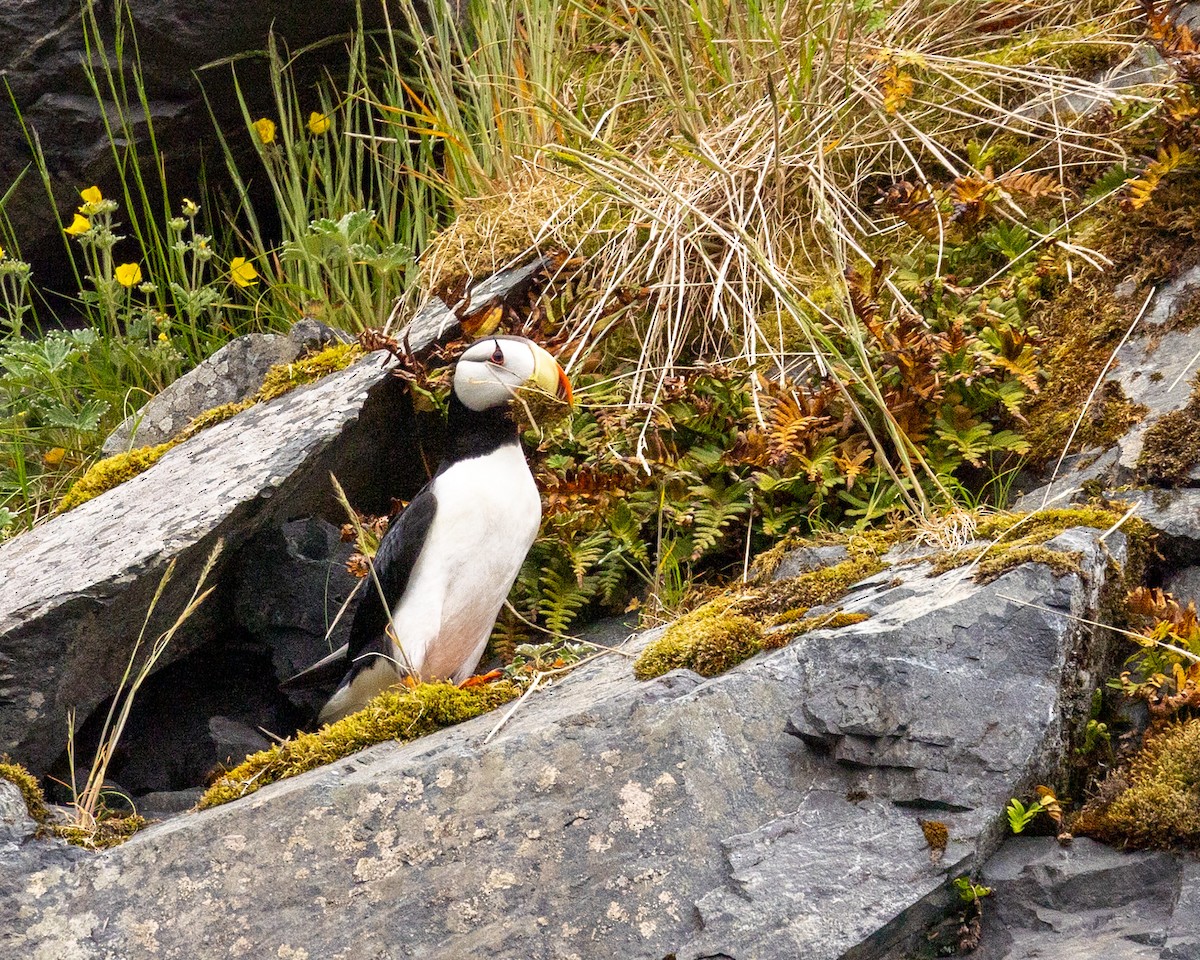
x=235 y=740
x=162 y=804
x=75 y=591
x=1087 y=900
x=1154 y=368
x=1184 y=585
x=233 y=373
x=290 y=587
x=670 y=817
x=1175 y=513
x=803 y=559
x=16 y=825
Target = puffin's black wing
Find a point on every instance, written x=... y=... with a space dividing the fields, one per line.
x=393 y=565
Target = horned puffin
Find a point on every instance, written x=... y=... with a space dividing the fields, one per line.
x=448 y=561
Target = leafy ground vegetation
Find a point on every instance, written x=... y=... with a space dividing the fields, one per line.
x=821 y=264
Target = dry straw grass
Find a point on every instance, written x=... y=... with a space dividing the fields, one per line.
x=724 y=162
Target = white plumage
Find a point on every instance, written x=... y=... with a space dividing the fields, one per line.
x=449 y=562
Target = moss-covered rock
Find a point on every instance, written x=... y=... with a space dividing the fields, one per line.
x=108 y=831
x=401 y=713
x=709 y=640
x=280 y=379
x=287 y=376
x=1157 y=800
x=110 y=472
x=1021 y=538
x=31 y=791
x=1171 y=446
x=736 y=625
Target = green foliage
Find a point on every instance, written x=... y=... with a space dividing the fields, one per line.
x=1165 y=669
x=1019 y=815
x=401 y=713
x=969 y=892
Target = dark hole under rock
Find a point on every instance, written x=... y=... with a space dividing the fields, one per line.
x=276 y=599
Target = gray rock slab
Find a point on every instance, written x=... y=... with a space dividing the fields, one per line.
x=1175 y=513
x=1086 y=901
x=805 y=559
x=231 y=374
x=612 y=817
x=74 y=592
x=1184 y=584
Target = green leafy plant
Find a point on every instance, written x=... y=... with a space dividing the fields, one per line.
x=1020 y=816
x=968 y=891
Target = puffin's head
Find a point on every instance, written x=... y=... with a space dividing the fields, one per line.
x=491 y=370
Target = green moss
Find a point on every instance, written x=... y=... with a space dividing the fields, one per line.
x=1157 y=800
x=794 y=627
x=815 y=588
x=280 y=379
x=210 y=418
x=110 y=472
x=709 y=640
x=31 y=791
x=284 y=377
x=1172 y=445
x=1021 y=538
x=735 y=626
x=1061 y=562
x=401 y=713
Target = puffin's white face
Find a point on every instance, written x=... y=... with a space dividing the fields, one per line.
x=491 y=370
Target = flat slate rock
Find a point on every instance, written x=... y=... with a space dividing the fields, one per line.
x=1087 y=901
x=771 y=812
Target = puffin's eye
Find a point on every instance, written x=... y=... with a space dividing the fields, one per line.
x=497 y=355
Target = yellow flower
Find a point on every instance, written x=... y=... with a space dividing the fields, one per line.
x=191 y=207
x=242 y=272
x=128 y=274
x=265 y=129
x=163 y=338
x=79 y=225
x=54 y=456
x=1 y=253
x=91 y=195
x=318 y=123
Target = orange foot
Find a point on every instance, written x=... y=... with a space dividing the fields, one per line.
x=479 y=681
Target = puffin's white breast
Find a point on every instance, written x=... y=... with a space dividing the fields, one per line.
x=488 y=513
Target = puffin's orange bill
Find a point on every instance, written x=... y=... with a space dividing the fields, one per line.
x=564 y=388
x=548 y=375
